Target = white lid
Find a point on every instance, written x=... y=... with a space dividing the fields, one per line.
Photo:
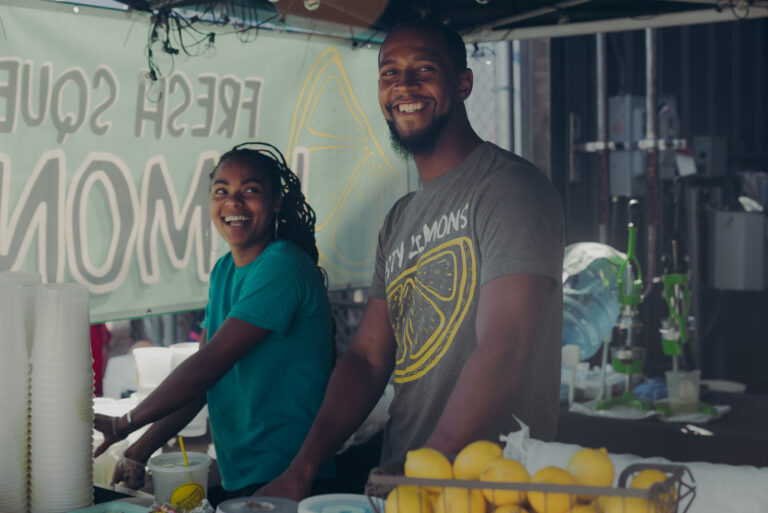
x=258 y=505
x=339 y=502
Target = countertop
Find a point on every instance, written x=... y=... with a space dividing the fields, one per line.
x=740 y=437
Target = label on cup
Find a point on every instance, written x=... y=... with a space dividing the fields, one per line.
x=188 y=496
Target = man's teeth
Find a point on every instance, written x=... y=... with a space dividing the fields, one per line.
x=231 y=219
x=410 y=107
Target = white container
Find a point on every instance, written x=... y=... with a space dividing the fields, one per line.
x=683 y=390
x=30 y=282
x=338 y=502
x=198 y=426
x=177 y=484
x=153 y=364
x=181 y=351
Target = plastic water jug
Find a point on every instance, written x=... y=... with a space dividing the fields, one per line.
x=590 y=306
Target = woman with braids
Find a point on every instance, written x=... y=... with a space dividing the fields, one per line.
x=266 y=351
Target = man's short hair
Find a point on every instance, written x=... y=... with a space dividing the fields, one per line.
x=453 y=42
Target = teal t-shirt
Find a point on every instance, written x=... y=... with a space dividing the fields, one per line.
x=261 y=410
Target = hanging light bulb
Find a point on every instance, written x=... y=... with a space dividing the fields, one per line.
x=311 y=5
x=274 y=1
x=209 y=50
x=482 y=2
x=155 y=87
x=485 y=53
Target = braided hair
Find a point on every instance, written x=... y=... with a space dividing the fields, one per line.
x=296 y=219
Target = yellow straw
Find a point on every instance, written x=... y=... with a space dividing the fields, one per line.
x=183 y=452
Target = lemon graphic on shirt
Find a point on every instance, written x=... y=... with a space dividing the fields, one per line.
x=428 y=302
x=345 y=174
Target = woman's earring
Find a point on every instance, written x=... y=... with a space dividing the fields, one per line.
x=276 y=225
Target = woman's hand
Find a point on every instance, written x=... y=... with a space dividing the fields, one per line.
x=107 y=426
x=129 y=473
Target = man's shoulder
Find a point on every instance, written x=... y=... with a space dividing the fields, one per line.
x=397 y=208
x=501 y=159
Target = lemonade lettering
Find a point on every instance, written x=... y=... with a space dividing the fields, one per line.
x=76 y=99
x=64 y=99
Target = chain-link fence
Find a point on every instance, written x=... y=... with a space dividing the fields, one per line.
x=481 y=104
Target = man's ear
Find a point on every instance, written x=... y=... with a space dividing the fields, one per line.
x=464 y=85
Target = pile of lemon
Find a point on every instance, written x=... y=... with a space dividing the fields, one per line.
x=484 y=461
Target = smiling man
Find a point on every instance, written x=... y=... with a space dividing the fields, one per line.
x=465 y=309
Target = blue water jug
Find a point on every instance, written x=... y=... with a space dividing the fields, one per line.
x=590 y=306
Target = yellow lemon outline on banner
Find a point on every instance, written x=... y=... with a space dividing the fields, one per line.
x=188 y=496
x=367 y=180
x=446 y=274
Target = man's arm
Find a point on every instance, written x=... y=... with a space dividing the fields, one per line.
x=508 y=324
x=356 y=384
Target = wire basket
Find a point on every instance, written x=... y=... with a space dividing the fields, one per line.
x=674 y=495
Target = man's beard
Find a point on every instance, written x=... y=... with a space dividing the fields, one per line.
x=419 y=143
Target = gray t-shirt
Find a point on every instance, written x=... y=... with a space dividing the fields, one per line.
x=494 y=214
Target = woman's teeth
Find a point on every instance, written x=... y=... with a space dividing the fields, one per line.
x=236 y=219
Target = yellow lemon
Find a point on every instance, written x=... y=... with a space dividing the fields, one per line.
x=617 y=504
x=510 y=508
x=433 y=498
x=552 y=502
x=650 y=476
x=584 y=508
x=460 y=500
x=591 y=467
x=645 y=478
x=473 y=458
x=427 y=463
x=503 y=470
x=408 y=499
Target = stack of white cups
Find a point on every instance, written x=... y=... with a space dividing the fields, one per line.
x=14 y=383
x=30 y=283
x=61 y=406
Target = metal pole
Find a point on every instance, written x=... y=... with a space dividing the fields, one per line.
x=503 y=94
x=602 y=136
x=694 y=269
x=652 y=210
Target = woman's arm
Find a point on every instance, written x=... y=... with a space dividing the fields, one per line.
x=195 y=375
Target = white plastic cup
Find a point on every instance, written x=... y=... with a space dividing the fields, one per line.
x=153 y=364
x=30 y=282
x=198 y=426
x=178 y=484
x=181 y=351
x=683 y=390
x=62 y=325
